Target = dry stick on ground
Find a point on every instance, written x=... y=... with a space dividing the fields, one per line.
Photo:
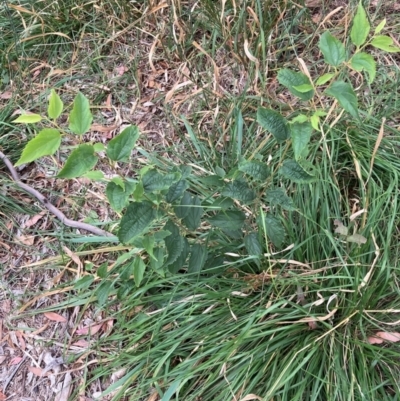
x=58 y=213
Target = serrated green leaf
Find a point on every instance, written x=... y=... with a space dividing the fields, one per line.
x=361 y=27
x=80 y=117
x=192 y=219
x=56 y=105
x=84 y=282
x=323 y=79
x=385 y=43
x=174 y=243
x=138 y=216
x=344 y=94
x=102 y=271
x=182 y=210
x=240 y=190
x=153 y=181
x=278 y=197
x=103 y=291
x=138 y=192
x=28 y=119
x=138 y=270
x=301 y=135
x=275 y=230
x=293 y=171
x=332 y=49
x=274 y=123
x=119 y=181
x=380 y=26
x=255 y=169
x=197 y=258
x=45 y=143
x=176 y=191
x=120 y=147
x=212 y=181
x=363 y=61
x=221 y=203
x=118 y=196
x=80 y=161
x=94 y=175
x=181 y=259
x=228 y=220
x=252 y=245
x=295 y=80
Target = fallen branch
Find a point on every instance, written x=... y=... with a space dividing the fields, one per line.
x=46 y=203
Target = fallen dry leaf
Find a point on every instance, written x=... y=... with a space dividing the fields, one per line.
x=26 y=239
x=2 y=396
x=103 y=128
x=38 y=371
x=16 y=360
x=381 y=336
x=6 y=95
x=55 y=317
x=89 y=329
x=81 y=343
x=33 y=220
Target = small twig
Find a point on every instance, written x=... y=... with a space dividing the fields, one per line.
x=46 y=203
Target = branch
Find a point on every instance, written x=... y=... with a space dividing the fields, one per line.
x=45 y=202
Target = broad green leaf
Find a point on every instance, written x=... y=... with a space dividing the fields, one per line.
x=120 y=147
x=28 y=118
x=192 y=219
x=380 y=26
x=181 y=259
x=176 y=190
x=255 y=169
x=79 y=162
x=119 y=181
x=138 y=216
x=98 y=147
x=275 y=230
x=292 y=170
x=385 y=43
x=333 y=50
x=138 y=192
x=304 y=88
x=103 y=291
x=360 y=29
x=197 y=258
x=94 y=175
x=102 y=271
x=45 y=143
x=357 y=238
x=274 y=123
x=80 y=117
x=56 y=105
x=148 y=245
x=138 y=270
x=182 y=210
x=220 y=172
x=297 y=83
x=344 y=94
x=118 y=196
x=84 y=282
x=158 y=260
x=363 y=61
x=323 y=79
x=126 y=271
x=240 y=190
x=301 y=135
x=174 y=243
x=212 y=181
x=228 y=220
x=314 y=120
x=252 y=245
x=221 y=203
x=278 y=197
x=301 y=118
x=154 y=181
